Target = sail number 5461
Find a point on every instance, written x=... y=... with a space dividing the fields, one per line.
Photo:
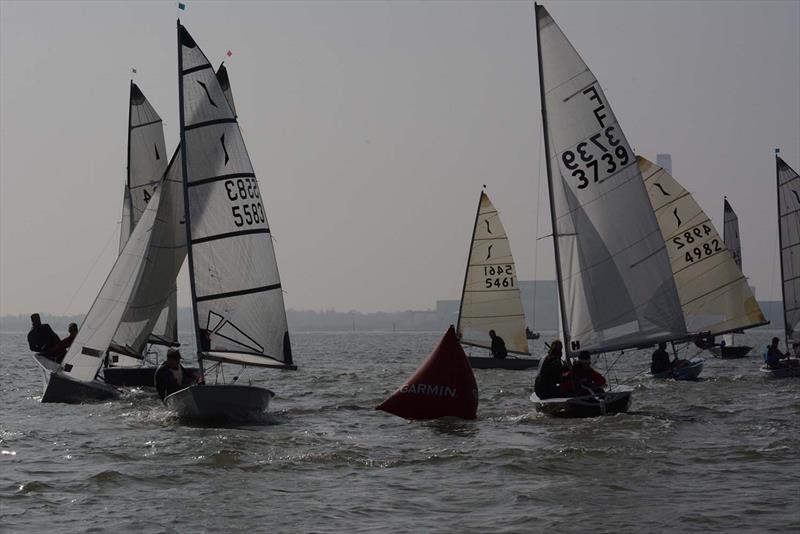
x=498 y=276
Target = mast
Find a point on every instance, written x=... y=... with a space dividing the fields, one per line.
x=559 y=279
x=466 y=272
x=780 y=248
x=187 y=220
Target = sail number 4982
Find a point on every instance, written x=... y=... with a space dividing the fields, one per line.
x=498 y=276
x=248 y=213
x=697 y=251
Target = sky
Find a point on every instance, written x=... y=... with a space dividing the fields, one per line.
x=372 y=127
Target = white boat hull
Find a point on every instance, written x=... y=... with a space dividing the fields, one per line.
x=59 y=387
x=220 y=402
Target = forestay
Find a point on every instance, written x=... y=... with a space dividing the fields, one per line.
x=615 y=281
x=237 y=295
x=714 y=294
x=87 y=352
x=730 y=234
x=491 y=298
x=789 y=230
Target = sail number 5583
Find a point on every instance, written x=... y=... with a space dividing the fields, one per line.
x=251 y=211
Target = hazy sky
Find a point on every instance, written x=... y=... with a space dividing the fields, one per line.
x=373 y=125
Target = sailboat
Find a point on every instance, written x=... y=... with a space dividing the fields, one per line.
x=237 y=300
x=788 y=186
x=615 y=286
x=730 y=235
x=137 y=290
x=490 y=298
x=126 y=363
x=714 y=294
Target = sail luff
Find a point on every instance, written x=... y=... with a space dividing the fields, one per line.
x=466 y=269
x=550 y=188
x=186 y=213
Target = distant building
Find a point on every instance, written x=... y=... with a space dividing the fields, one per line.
x=664 y=161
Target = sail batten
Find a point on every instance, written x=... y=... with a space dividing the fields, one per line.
x=236 y=293
x=713 y=291
x=616 y=289
x=490 y=298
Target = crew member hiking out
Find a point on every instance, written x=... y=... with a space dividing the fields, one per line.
x=41 y=337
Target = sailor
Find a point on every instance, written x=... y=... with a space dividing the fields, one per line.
x=41 y=337
x=59 y=350
x=774 y=355
x=171 y=376
x=498 y=346
x=551 y=372
x=660 y=362
x=582 y=379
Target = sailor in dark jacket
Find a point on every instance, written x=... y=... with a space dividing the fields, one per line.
x=499 y=350
x=41 y=337
x=171 y=376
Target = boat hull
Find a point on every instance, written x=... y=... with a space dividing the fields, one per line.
x=510 y=364
x=730 y=352
x=792 y=369
x=608 y=403
x=687 y=372
x=59 y=387
x=133 y=376
x=220 y=402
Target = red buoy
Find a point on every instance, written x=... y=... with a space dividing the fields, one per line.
x=444 y=385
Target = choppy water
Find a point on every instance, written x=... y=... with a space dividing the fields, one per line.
x=719 y=455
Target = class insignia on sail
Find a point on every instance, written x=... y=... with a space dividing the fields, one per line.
x=443 y=386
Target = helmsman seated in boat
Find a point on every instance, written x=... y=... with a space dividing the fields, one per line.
x=499 y=350
x=582 y=380
x=774 y=358
x=551 y=373
x=171 y=376
x=660 y=362
x=41 y=337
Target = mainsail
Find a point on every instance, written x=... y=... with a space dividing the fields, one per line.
x=615 y=283
x=714 y=294
x=147 y=162
x=236 y=291
x=490 y=299
x=730 y=233
x=789 y=232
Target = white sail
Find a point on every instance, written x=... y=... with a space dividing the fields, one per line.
x=147 y=163
x=491 y=298
x=730 y=233
x=615 y=281
x=156 y=289
x=714 y=294
x=236 y=290
x=87 y=352
x=789 y=231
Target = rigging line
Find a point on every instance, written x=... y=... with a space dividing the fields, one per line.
x=91 y=268
x=536 y=233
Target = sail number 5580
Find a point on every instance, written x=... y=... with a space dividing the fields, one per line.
x=248 y=213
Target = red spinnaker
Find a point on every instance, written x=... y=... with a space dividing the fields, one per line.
x=443 y=386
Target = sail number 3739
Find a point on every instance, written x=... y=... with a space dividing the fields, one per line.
x=601 y=154
x=250 y=211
